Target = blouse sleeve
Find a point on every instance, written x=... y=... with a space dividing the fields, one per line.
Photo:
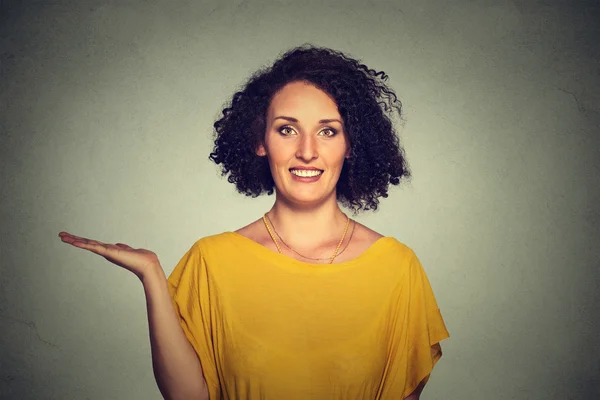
x=189 y=290
x=419 y=329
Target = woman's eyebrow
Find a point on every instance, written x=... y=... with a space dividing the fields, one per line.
x=322 y=121
x=286 y=118
x=327 y=121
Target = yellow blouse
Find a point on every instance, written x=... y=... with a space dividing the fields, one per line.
x=267 y=326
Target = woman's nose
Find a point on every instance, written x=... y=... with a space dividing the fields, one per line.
x=307 y=148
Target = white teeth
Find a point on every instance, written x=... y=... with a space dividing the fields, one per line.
x=306 y=173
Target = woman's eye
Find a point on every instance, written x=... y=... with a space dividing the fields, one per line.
x=286 y=131
x=328 y=132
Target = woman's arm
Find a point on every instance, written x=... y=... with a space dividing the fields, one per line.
x=176 y=366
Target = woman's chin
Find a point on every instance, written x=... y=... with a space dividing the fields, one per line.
x=307 y=199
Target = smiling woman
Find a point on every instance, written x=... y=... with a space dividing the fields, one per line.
x=305 y=151
x=304 y=302
x=358 y=99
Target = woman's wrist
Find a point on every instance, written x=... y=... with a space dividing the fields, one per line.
x=152 y=275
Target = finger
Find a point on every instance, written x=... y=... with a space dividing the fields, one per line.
x=65 y=236
x=102 y=249
x=63 y=233
x=109 y=251
x=82 y=242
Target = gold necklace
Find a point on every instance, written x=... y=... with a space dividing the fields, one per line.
x=335 y=253
x=302 y=255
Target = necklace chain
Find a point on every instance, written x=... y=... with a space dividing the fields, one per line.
x=333 y=256
x=302 y=255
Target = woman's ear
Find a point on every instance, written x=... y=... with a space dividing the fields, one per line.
x=261 y=151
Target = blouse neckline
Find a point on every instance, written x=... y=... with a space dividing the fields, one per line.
x=268 y=252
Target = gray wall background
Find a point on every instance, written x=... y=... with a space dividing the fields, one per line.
x=105 y=127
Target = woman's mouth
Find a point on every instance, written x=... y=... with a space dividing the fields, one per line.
x=306 y=173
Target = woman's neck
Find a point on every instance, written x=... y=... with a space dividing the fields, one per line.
x=308 y=227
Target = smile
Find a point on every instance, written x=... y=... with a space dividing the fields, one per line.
x=306 y=173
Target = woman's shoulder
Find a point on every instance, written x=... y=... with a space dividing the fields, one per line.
x=255 y=231
x=216 y=241
x=228 y=240
x=366 y=237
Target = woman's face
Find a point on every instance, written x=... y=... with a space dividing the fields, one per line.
x=305 y=144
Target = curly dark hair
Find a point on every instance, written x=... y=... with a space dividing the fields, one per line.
x=365 y=102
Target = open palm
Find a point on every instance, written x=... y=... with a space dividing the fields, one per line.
x=137 y=261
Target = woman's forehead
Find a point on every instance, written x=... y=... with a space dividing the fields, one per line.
x=303 y=99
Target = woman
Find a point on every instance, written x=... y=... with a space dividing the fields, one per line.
x=303 y=303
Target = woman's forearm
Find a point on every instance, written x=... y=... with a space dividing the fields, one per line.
x=176 y=366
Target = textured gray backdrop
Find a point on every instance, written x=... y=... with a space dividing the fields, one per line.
x=106 y=112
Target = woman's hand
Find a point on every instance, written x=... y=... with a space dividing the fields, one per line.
x=138 y=261
x=177 y=368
